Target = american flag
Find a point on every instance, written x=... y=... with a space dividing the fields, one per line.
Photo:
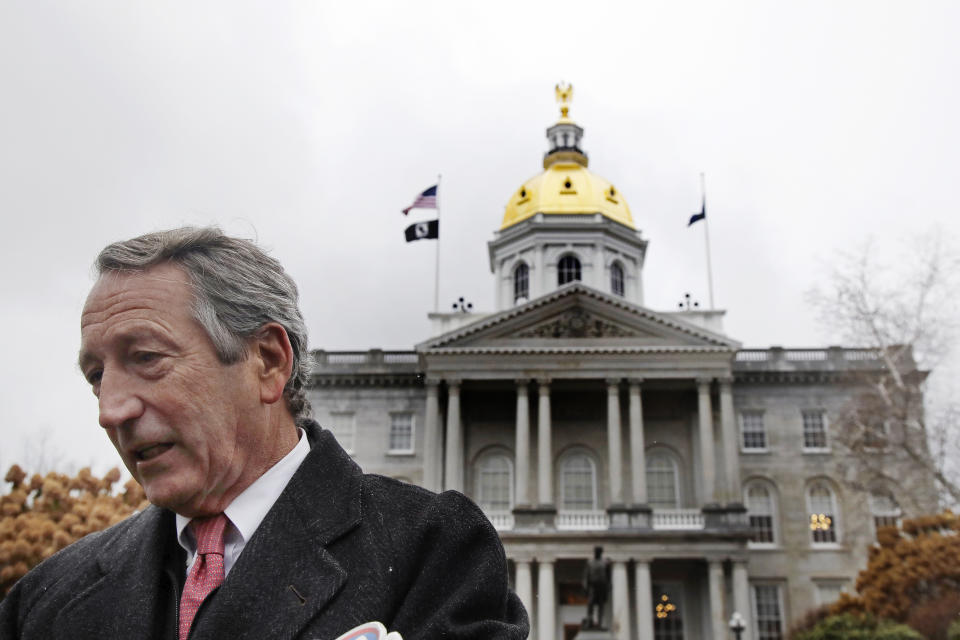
x=426 y=200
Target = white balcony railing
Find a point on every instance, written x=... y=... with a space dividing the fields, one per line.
x=664 y=519
x=597 y=520
x=501 y=520
x=590 y=520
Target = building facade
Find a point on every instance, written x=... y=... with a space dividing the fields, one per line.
x=576 y=417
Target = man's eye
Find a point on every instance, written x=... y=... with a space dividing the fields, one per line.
x=145 y=357
x=94 y=377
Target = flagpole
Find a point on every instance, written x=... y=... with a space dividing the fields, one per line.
x=436 y=272
x=706 y=235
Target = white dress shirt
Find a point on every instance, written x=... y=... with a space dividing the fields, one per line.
x=248 y=509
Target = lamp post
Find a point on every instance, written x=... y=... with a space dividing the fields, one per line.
x=736 y=624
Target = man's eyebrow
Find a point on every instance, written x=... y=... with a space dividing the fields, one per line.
x=131 y=336
x=83 y=358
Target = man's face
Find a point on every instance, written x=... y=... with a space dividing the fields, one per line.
x=184 y=423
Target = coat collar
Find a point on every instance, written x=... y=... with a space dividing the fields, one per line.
x=284 y=577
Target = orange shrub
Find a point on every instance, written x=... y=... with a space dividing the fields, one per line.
x=42 y=516
x=910 y=569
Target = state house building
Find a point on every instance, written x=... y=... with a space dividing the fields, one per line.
x=576 y=416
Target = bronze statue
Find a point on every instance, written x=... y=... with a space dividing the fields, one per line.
x=596 y=581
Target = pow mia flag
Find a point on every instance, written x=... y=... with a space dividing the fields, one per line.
x=428 y=230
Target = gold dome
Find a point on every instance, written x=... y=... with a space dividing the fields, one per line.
x=566 y=187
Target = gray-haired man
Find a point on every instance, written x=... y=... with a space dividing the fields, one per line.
x=261 y=526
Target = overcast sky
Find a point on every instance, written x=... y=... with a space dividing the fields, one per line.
x=310 y=125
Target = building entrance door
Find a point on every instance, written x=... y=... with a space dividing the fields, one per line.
x=668 y=611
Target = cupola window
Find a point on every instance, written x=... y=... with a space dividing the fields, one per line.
x=568 y=270
x=521 y=283
x=616 y=279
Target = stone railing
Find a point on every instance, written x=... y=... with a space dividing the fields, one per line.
x=588 y=520
x=831 y=358
x=501 y=520
x=374 y=357
x=709 y=519
x=676 y=519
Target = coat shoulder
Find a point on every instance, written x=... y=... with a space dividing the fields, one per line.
x=65 y=573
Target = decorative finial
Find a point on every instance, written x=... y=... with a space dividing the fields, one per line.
x=564 y=92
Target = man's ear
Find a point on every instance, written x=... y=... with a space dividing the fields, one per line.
x=273 y=355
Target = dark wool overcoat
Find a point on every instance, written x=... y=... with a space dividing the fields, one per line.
x=338 y=548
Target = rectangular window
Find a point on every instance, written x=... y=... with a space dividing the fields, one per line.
x=401 y=433
x=828 y=591
x=768 y=614
x=876 y=434
x=754 y=436
x=814 y=431
x=342 y=425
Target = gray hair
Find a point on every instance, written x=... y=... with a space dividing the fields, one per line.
x=238 y=288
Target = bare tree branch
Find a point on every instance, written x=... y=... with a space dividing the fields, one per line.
x=908 y=315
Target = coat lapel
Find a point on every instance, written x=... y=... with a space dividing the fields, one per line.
x=133 y=595
x=286 y=576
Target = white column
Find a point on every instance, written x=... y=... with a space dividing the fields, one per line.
x=453 y=472
x=501 y=286
x=431 y=439
x=717 y=619
x=639 y=289
x=638 y=461
x=522 y=462
x=731 y=448
x=705 y=414
x=539 y=275
x=524 y=585
x=546 y=602
x=544 y=447
x=621 y=601
x=741 y=598
x=644 y=601
x=599 y=270
x=614 y=446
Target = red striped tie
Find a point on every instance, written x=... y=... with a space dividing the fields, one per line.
x=207 y=572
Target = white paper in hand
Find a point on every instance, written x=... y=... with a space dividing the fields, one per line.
x=370 y=631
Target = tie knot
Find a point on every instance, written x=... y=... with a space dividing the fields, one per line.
x=209 y=533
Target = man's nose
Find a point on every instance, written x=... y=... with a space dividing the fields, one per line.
x=119 y=402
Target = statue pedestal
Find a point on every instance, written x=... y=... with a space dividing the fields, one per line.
x=594 y=634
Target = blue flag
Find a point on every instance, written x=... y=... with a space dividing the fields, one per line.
x=699 y=216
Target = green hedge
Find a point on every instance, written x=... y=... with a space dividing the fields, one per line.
x=850 y=627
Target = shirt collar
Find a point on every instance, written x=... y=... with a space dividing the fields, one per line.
x=248 y=509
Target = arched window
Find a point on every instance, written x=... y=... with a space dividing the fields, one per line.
x=568 y=270
x=885 y=510
x=761 y=511
x=616 y=279
x=578 y=483
x=521 y=282
x=662 y=485
x=822 y=509
x=495 y=483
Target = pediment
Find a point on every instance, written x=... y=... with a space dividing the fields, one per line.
x=577 y=322
x=578 y=316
